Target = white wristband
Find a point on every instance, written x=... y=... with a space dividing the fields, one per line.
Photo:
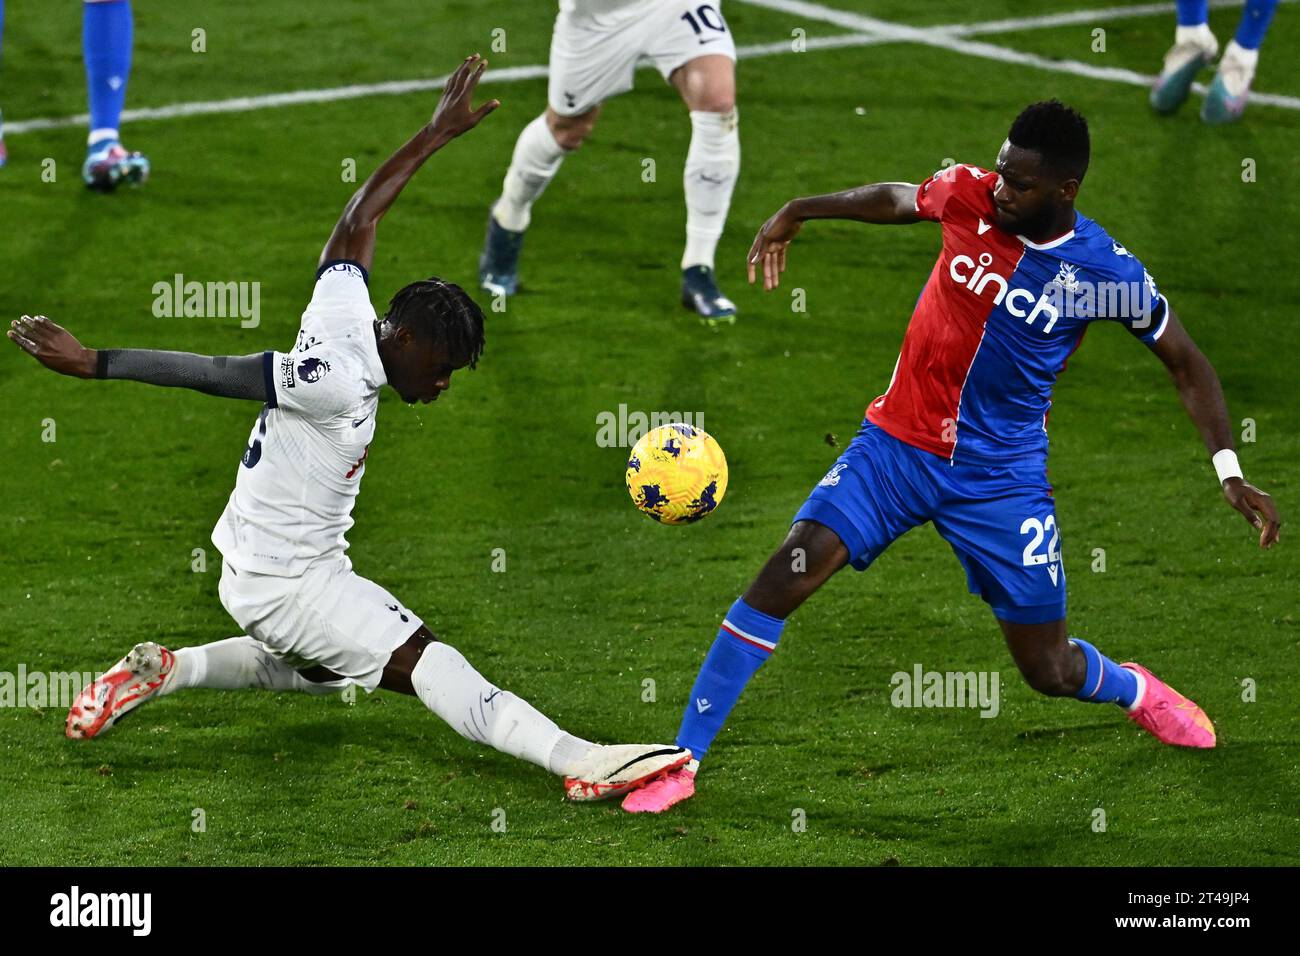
x=1225 y=464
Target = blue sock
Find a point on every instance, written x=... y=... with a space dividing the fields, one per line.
x=1105 y=682
x=1254 y=23
x=1192 y=13
x=746 y=639
x=106 y=45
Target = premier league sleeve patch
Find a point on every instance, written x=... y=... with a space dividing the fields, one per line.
x=303 y=384
x=312 y=370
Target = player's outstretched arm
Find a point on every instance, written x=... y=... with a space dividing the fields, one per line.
x=354 y=235
x=891 y=204
x=1202 y=395
x=230 y=376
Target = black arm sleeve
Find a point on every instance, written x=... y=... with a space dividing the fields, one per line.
x=230 y=376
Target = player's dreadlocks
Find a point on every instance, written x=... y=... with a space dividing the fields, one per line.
x=1055 y=132
x=443 y=312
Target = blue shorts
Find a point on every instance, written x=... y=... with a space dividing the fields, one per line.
x=1000 y=521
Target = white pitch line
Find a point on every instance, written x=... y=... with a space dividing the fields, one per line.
x=868 y=32
x=514 y=74
x=947 y=38
x=245 y=104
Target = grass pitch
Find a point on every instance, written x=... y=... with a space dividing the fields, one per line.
x=100 y=524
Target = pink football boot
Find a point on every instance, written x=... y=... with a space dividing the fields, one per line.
x=1168 y=714
x=612 y=770
x=658 y=796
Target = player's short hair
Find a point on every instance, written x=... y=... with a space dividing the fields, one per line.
x=443 y=313
x=1057 y=133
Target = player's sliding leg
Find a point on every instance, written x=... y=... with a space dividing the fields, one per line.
x=151 y=671
x=1059 y=666
x=1226 y=99
x=441 y=677
x=106 y=35
x=1195 y=48
x=539 y=151
x=810 y=554
x=708 y=86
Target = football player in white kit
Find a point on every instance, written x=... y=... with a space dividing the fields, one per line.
x=310 y=623
x=594 y=52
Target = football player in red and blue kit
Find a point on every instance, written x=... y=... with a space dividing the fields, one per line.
x=959 y=438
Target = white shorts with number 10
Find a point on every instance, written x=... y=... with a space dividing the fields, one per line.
x=597 y=44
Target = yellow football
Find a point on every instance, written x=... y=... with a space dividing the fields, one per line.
x=677 y=473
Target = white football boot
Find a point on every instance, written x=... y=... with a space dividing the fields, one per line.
x=1194 y=49
x=136 y=678
x=608 y=771
x=1227 y=96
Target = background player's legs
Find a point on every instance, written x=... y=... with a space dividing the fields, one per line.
x=1226 y=99
x=1195 y=47
x=106 y=36
x=539 y=151
x=446 y=683
x=707 y=85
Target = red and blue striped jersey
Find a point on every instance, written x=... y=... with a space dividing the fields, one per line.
x=996 y=322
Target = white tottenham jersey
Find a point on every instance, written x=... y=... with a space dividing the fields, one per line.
x=301 y=470
x=598 y=9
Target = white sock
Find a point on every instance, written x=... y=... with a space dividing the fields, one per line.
x=712 y=165
x=239 y=663
x=478 y=711
x=535 y=162
x=1142 y=692
x=1200 y=34
x=1247 y=58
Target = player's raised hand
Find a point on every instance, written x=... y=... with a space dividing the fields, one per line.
x=769 y=247
x=455 y=113
x=53 y=346
x=1257 y=507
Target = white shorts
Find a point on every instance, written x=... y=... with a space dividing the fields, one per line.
x=328 y=617
x=593 y=59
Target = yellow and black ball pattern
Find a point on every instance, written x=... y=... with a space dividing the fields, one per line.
x=677 y=474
